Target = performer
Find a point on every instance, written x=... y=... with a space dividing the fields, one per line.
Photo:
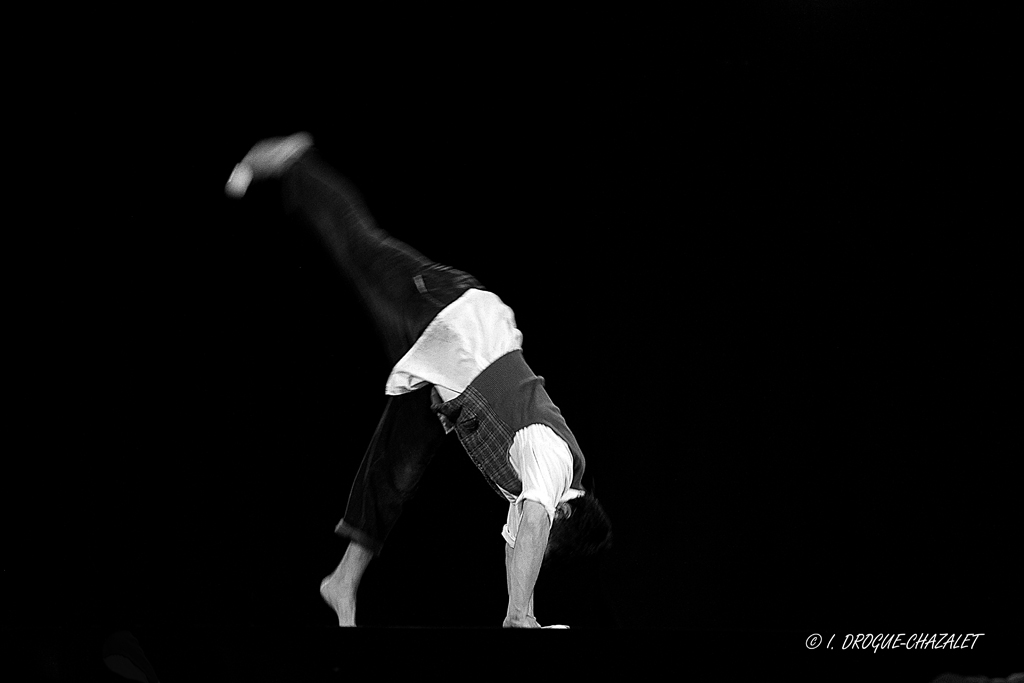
x=457 y=365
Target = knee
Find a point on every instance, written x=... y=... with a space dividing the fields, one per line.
x=406 y=478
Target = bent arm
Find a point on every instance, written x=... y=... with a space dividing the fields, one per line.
x=523 y=567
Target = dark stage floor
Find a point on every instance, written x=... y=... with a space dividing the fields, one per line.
x=211 y=653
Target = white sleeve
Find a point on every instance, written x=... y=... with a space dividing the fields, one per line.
x=544 y=464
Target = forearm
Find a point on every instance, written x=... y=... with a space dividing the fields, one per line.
x=508 y=579
x=524 y=564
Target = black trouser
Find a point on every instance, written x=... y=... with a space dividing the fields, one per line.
x=403 y=291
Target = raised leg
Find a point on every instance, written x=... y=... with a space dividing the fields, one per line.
x=400 y=288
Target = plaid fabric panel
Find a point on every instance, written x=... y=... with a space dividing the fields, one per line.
x=485 y=436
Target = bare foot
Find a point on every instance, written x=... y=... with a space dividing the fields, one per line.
x=267 y=158
x=272 y=156
x=340 y=598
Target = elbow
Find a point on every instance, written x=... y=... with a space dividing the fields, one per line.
x=534 y=515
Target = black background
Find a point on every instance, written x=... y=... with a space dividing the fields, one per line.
x=754 y=251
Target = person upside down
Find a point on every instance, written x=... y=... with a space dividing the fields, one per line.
x=457 y=365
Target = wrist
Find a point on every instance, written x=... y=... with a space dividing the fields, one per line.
x=523 y=621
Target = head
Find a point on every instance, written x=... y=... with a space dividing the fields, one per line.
x=580 y=529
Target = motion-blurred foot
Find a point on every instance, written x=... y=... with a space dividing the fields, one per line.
x=267 y=158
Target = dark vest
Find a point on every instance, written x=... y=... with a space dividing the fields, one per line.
x=503 y=399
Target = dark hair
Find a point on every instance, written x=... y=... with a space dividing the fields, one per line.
x=581 y=529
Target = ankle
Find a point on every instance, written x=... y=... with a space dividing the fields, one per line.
x=340 y=584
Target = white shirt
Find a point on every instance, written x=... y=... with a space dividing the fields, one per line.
x=544 y=464
x=467 y=336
